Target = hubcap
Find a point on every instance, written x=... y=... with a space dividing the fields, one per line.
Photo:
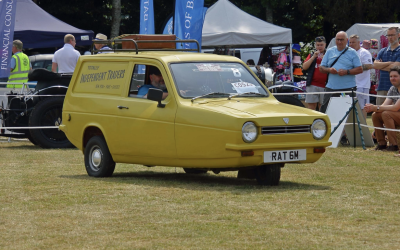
x=96 y=158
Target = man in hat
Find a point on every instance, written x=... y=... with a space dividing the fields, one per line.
x=363 y=80
x=100 y=46
x=65 y=59
x=316 y=80
x=19 y=66
x=342 y=64
x=156 y=82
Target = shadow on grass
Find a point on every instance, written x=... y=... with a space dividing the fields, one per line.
x=33 y=147
x=197 y=182
x=27 y=147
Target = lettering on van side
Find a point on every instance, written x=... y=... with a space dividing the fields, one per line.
x=93 y=67
x=115 y=74
x=93 y=77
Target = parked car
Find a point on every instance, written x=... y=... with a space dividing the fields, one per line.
x=217 y=116
x=41 y=61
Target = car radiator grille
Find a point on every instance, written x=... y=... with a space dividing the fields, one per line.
x=286 y=130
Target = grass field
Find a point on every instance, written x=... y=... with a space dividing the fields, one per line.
x=350 y=199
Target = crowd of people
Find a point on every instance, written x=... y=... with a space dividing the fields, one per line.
x=347 y=68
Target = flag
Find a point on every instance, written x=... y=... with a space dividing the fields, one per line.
x=168 y=27
x=146 y=17
x=188 y=21
x=7 y=22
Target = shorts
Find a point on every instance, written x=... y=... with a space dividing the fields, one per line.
x=314 y=98
x=362 y=99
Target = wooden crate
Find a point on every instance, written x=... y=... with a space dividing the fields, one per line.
x=155 y=45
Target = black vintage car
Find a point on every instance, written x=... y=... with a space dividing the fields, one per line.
x=268 y=77
x=41 y=107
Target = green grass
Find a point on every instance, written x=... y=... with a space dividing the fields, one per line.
x=347 y=200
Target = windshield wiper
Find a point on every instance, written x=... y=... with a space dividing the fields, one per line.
x=246 y=93
x=212 y=93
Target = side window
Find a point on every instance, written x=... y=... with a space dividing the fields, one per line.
x=138 y=79
x=146 y=77
x=237 y=54
x=37 y=64
x=48 y=65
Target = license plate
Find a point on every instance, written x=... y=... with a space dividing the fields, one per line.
x=285 y=155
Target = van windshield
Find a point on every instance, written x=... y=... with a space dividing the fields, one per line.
x=223 y=79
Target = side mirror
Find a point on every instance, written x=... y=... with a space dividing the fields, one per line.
x=156 y=95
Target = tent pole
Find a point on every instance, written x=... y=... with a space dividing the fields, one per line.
x=291 y=64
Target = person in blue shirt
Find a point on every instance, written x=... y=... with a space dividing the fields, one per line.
x=387 y=58
x=342 y=73
x=156 y=82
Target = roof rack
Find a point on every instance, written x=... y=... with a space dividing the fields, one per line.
x=136 y=48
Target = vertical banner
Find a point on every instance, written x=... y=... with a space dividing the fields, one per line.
x=7 y=21
x=168 y=27
x=146 y=23
x=146 y=17
x=188 y=21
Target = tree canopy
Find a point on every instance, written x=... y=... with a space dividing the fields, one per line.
x=306 y=18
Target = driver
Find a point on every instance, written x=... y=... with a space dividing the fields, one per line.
x=156 y=82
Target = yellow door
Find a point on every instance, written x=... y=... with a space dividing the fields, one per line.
x=145 y=130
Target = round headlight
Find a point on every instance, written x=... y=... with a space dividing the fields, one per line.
x=318 y=129
x=249 y=132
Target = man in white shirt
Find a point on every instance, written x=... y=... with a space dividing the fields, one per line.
x=65 y=59
x=363 y=80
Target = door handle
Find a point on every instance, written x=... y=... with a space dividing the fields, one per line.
x=122 y=107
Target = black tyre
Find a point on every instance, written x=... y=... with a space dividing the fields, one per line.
x=48 y=113
x=194 y=171
x=28 y=135
x=268 y=175
x=98 y=160
x=289 y=100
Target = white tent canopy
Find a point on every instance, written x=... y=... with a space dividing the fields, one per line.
x=367 y=31
x=227 y=25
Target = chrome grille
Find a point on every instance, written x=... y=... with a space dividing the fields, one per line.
x=286 y=130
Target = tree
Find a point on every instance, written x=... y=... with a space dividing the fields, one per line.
x=116 y=18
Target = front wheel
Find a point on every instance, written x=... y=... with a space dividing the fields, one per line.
x=268 y=175
x=98 y=160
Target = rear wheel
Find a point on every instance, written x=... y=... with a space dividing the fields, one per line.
x=98 y=160
x=268 y=175
x=194 y=171
x=48 y=113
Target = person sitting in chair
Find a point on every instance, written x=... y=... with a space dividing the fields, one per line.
x=156 y=82
x=388 y=113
